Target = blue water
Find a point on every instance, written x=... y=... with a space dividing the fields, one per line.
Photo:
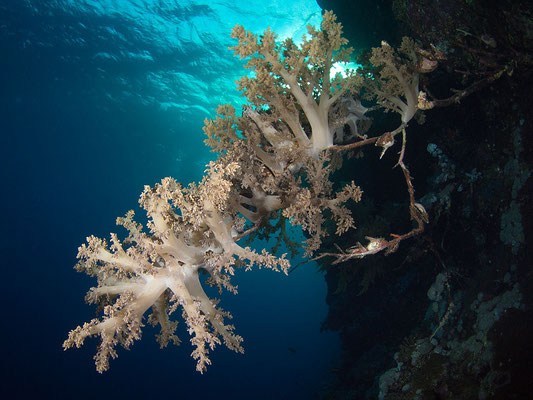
x=98 y=99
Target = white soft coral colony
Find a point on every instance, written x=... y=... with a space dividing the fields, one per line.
x=273 y=166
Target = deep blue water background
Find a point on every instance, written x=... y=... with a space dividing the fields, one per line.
x=98 y=99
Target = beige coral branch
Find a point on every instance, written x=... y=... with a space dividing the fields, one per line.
x=301 y=76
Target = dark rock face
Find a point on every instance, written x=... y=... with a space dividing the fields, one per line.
x=443 y=317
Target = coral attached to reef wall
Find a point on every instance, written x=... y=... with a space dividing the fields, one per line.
x=274 y=166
